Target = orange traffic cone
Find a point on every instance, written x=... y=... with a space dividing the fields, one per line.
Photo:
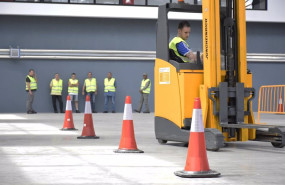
x=88 y=129
x=68 y=120
x=280 y=105
x=128 y=141
x=197 y=161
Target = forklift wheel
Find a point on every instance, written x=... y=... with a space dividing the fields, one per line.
x=161 y=141
x=213 y=149
x=277 y=145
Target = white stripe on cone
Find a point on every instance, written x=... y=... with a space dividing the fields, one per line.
x=280 y=100
x=128 y=115
x=88 y=107
x=197 y=122
x=68 y=105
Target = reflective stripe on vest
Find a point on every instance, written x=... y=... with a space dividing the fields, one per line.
x=33 y=83
x=109 y=85
x=90 y=85
x=144 y=82
x=172 y=45
x=56 y=88
x=73 y=89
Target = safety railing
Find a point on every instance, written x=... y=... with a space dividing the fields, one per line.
x=271 y=100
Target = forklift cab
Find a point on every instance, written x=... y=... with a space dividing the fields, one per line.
x=176 y=82
x=162 y=41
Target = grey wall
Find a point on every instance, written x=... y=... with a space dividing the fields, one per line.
x=109 y=34
x=72 y=33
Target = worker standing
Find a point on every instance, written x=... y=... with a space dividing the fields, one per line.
x=31 y=88
x=73 y=85
x=90 y=86
x=56 y=91
x=144 y=90
x=109 y=92
x=179 y=45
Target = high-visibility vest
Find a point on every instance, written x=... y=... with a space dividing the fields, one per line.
x=144 y=82
x=90 y=85
x=56 y=88
x=33 y=83
x=109 y=85
x=172 y=45
x=73 y=89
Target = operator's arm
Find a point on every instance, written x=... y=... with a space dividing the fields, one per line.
x=185 y=51
x=191 y=56
x=50 y=85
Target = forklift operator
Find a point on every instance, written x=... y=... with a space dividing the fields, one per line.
x=179 y=46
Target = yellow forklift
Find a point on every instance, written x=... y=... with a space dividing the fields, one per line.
x=222 y=80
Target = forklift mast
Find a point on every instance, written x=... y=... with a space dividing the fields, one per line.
x=230 y=89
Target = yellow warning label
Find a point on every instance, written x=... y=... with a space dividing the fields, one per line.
x=164 y=75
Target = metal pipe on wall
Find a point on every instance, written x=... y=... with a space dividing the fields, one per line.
x=51 y=54
x=87 y=51
x=86 y=58
x=265 y=57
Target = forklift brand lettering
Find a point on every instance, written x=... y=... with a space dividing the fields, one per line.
x=206 y=37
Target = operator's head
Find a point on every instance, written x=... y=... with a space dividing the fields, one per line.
x=144 y=76
x=89 y=75
x=73 y=76
x=184 y=30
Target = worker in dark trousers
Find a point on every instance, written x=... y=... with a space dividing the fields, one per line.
x=73 y=85
x=110 y=86
x=90 y=86
x=144 y=90
x=31 y=88
x=56 y=90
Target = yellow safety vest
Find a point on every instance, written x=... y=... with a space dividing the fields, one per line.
x=33 y=83
x=73 y=89
x=172 y=45
x=56 y=88
x=90 y=85
x=109 y=85
x=144 y=82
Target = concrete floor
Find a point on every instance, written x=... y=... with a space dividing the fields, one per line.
x=34 y=151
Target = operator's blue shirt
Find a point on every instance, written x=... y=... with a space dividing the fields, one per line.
x=182 y=48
